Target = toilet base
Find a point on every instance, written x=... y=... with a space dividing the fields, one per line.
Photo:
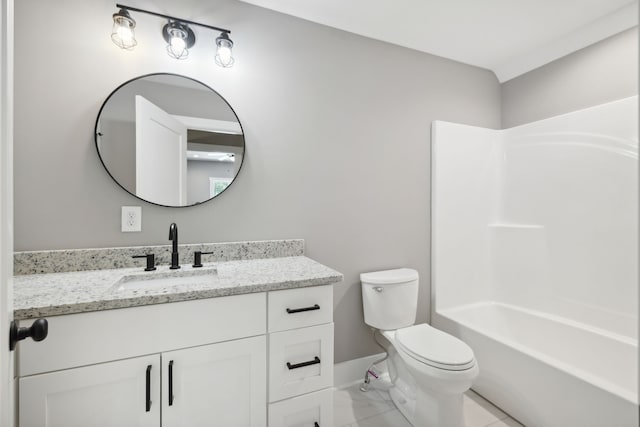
x=405 y=404
x=432 y=411
x=438 y=410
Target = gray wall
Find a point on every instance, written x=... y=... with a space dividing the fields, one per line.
x=600 y=73
x=337 y=132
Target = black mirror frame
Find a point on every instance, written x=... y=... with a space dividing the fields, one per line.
x=96 y=134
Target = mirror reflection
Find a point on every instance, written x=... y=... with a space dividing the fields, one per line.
x=169 y=140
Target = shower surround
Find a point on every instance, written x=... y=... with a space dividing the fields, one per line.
x=534 y=262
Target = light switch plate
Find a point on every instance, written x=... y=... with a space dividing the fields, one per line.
x=131 y=219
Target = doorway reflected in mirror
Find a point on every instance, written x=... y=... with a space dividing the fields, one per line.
x=169 y=140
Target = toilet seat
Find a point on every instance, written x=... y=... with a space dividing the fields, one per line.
x=435 y=348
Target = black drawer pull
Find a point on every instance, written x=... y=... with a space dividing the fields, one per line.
x=315 y=361
x=171 y=383
x=300 y=310
x=316 y=424
x=148 y=389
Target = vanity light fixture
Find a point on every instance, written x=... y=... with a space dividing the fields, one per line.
x=224 y=57
x=122 y=34
x=179 y=37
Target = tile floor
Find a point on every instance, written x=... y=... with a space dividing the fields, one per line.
x=353 y=408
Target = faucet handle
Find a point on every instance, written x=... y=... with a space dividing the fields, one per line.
x=151 y=261
x=197 y=258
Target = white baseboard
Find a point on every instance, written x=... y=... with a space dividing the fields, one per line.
x=352 y=371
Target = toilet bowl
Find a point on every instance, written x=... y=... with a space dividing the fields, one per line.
x=429 y=369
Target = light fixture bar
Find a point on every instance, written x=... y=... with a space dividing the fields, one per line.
x=173 y=18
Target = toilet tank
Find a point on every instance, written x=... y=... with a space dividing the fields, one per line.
x=390 y=298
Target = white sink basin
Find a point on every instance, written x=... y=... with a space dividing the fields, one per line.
x=153 y=280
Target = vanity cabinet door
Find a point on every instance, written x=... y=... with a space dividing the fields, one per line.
x=115 y=394
x=220 y=384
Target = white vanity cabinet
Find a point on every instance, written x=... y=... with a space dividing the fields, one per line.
x=90 y=371
x=235 y=361
x=218 y=384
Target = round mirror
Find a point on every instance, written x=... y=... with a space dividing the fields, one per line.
x=169 y=140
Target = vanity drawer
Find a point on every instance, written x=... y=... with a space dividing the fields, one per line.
x=305 y=410
x=298 y=308
x=300 y=361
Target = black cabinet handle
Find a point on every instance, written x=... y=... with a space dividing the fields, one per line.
x=315 y=361
x=300 y=310
x=37 y=331
x=171 y=383
x=316 y=424
x=148 y=389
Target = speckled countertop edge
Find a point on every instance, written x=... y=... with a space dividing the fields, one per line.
x=56 y=294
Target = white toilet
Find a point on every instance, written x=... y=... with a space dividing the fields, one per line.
x=429 y=369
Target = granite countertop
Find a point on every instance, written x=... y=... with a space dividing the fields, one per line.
x=53 y=294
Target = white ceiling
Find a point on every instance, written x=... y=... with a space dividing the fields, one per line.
x=509 y=37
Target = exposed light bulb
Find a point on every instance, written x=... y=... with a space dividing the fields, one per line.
x=122 y=34
x=125 y=33
x=177 y=44
x=224 y=56
x=177 y=36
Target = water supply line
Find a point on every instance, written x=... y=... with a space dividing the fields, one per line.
x=365 y=385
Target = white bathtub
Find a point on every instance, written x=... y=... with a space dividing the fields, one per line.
x=547 y=371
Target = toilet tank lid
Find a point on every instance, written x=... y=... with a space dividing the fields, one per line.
x=386 y=277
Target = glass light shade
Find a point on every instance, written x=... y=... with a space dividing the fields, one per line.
x=177 y=47
x=122 y=34
x=224 y=56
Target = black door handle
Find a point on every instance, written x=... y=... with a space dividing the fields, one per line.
x=148 y=389
x=37 y=331
x=300 y=310
x=316 y=424
x=315 y=361
x=171 y=383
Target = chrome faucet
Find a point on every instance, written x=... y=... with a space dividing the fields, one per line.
x=173 y=236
